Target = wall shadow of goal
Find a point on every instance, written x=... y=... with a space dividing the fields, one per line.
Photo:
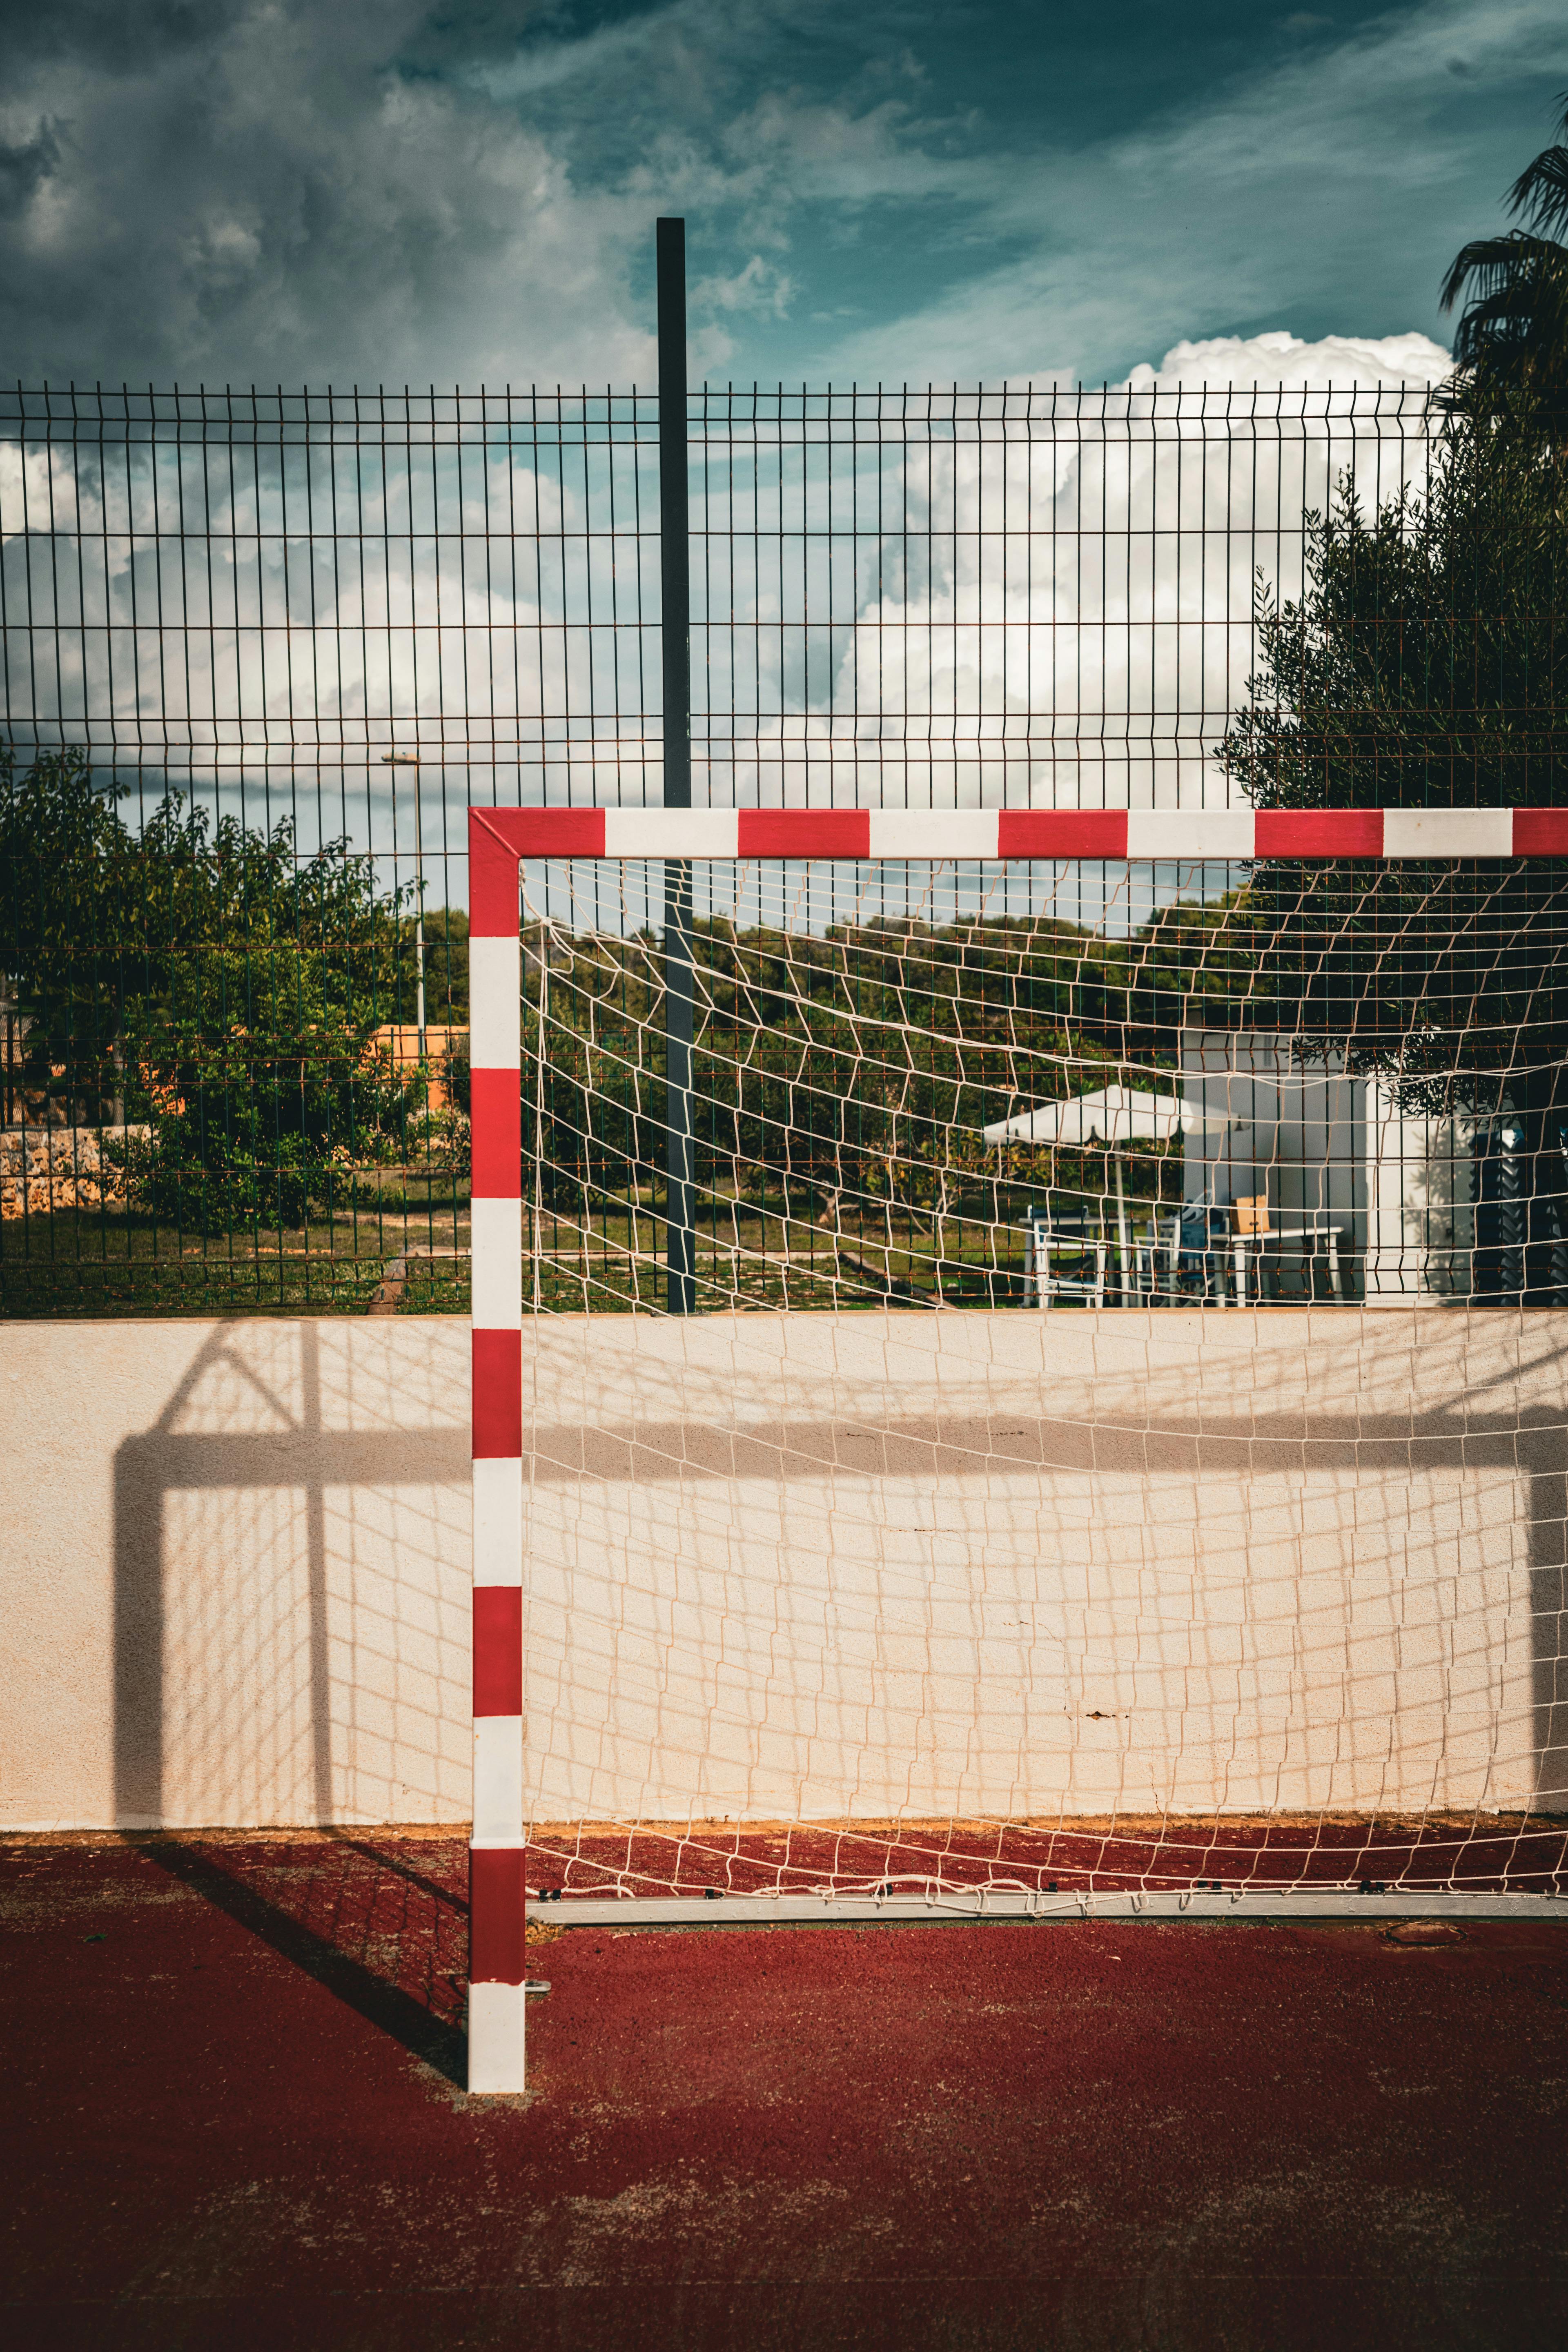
x=293 y=1583
x=291 y=1532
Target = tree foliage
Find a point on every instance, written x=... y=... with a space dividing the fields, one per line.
x=1427 y=666
x=206 y=976
x=854 y=1070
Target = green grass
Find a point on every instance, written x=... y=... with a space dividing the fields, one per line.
x=108 y=1262
x=396 y=1250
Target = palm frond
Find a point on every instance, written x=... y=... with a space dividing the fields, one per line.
x=1540 y=192
x=1494 y=262
x=1511 y=348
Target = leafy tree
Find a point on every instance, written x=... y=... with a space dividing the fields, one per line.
x=221 y=984
x=72 y=928
x=265 y=1084
x=1427 y=666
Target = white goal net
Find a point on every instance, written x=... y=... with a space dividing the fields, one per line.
x=1117 y=1442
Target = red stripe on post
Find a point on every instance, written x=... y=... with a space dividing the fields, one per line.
x=497 y=1904
x=1540 y=833
x=804 y=833
x=497 y=1122
x=498 y=1649
x=497 y=838
x=550 y=832
x=492 y=880
x=1318 y=832
x=1061 y=832
x=498 y=1396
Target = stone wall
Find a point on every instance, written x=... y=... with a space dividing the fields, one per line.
x=47 y=1167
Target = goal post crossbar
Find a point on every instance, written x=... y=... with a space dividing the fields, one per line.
x=499 y=841
x=1183 y=835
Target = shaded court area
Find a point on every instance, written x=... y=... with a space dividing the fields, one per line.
x=235 y=2118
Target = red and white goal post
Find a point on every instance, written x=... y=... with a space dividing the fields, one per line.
x=499 y=840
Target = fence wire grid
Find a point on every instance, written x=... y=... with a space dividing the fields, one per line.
x=262 y=650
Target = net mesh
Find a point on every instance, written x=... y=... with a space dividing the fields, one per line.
x=1032 y=1502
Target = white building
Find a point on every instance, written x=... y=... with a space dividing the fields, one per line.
x=1334 y=1154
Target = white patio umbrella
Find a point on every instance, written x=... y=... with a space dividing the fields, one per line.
x=1110 y=1115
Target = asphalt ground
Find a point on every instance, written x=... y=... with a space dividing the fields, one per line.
x=234 y=2118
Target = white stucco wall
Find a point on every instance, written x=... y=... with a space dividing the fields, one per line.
x=786 y=1566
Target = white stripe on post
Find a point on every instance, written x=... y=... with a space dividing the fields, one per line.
x=1447 y=833
x=671 y=832
x=498 y=1780
x=495 y=2014
x=497 y=1265
x=1189 y=833
x=497 y=1520
x=495 y=1003
x=933 y=832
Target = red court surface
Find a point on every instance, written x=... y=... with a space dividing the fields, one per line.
x=233 y=2119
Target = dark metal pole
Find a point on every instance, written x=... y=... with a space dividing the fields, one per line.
x=675 y=586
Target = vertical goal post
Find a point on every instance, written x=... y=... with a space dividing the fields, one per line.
x=499 y=841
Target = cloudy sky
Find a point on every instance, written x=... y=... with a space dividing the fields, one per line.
x=894 y=190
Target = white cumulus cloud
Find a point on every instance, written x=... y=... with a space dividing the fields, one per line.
x=1339 y=362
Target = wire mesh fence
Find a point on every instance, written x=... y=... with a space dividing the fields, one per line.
x=261 y=651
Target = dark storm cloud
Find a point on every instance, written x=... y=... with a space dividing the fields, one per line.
x=23 y=169
x=377 y=191
x=261 y=192
x=117 y=34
